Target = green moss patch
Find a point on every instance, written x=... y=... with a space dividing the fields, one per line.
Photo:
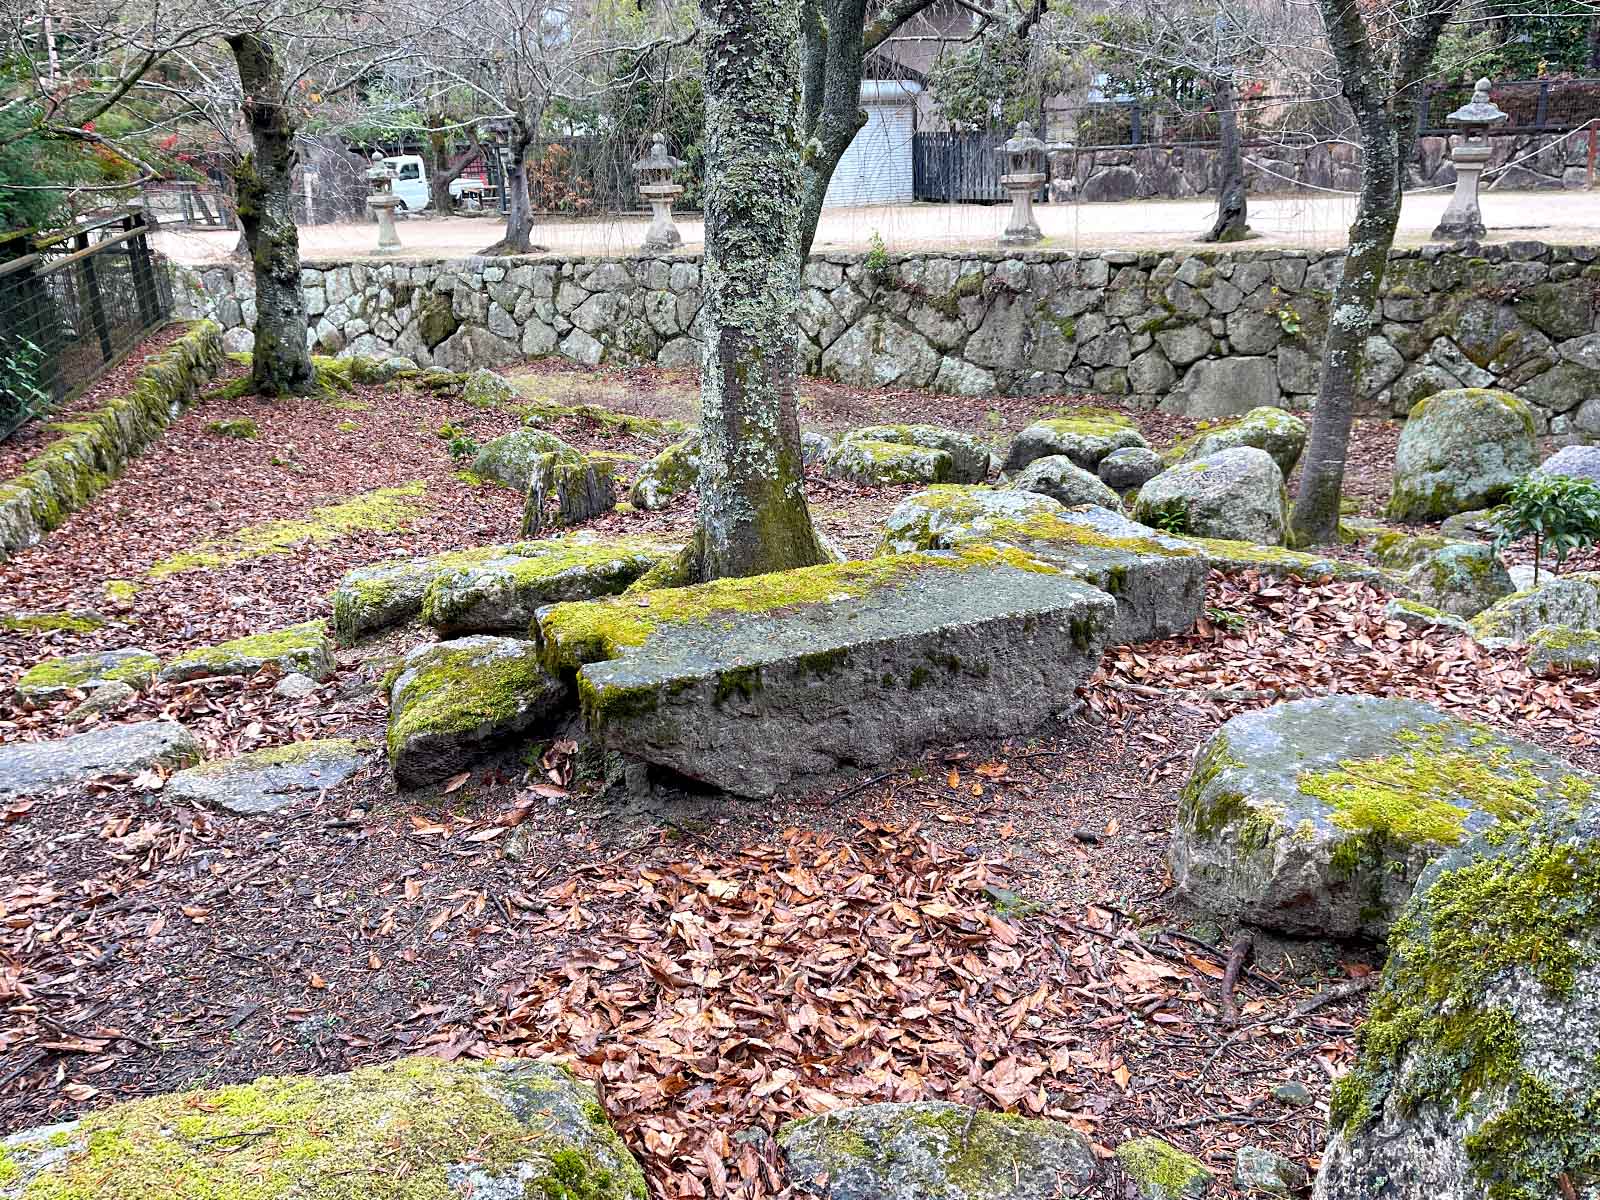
x=241 y=428
x=1161 y=1171
x=303 y=648
x=52 y=622
x=384 y=510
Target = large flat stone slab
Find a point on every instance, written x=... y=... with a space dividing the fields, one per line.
x=1159 y=589
x=30 y=768
x=56 y=677
x=263 y=781
x=749 y=685
x=1318 y=816
x=303 y=649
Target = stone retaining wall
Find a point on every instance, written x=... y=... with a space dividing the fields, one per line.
x=1206 y=333
x=93 y=449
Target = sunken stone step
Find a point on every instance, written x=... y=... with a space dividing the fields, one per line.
x=1318 y=816
x=453 y=699
x=302 y=648
x=30 y=768
x=264 y=781
x=749 y=685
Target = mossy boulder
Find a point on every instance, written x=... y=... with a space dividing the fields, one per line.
x=515 y=458
x=29 y=768
x=1237 y=495
x=672 y=473
x=500 y=593
x=886 y=464
x=1402 y=549
x=415 y=1129
x=450 y=701
x=1459 y=450
x=1462 y=579
x=1572 y=601
x=1561 y=650
x=1161 y=1171
x=1129 y=469
x=935 y=1151
x=72 y=621
x=263 y=781
x=485 y=389
x=390 y=593
x=939 y=517
x=1058 y=477
x=1415 y=615
x=55 y=677
x=969 y=455
x=1264 y=1172
x=304 y=648
x=1317 y=817
x=1281 y=434
x=239 y=428
x=1478 y=1068
x=1085 y=436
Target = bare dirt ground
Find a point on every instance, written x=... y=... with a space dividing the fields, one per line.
x=716 y=965
x=1316 y=220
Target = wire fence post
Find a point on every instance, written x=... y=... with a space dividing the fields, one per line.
x=144 y=269
x=91 y=296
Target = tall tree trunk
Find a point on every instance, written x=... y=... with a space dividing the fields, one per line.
x=1384 y=100
x=1231 y=223
x=753 y=515
x=281 y=360
x=519 y=218
x=446 y=168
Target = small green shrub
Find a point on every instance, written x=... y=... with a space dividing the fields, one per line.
x=1558 y=512
x=461 y=444
x=877 y=260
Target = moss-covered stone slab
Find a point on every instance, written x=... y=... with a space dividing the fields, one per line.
x=1572 y=601
x=672 y=473
x=1459 y=450
x=1561 y=650
x=263 y=781
x=931 y=1150
x=302 y=648
x=415 y=1129
x=1401 y=549
x=886 y=464
x=1086 y=436
x=1234 y=494
x=390 y=593
x=1478 y=1069
x=69 y=621
x=1159 y=589
x=32 y=768
x=1058 y=477
x=501 y=593
x=748 y=685
x=1160 y=1171
x=1318 y=816
x=969 y=455
x=1281 y=434
x=450 y=701
x=1415 y=615
x=55 y=677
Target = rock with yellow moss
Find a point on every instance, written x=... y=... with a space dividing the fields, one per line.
x=451 y=700
x=886 y=464
x=749 y=685
x=58 y=677
x=933 y=1149
x=1318 y=816
x=969 y=455
x=302 y=648
x=1478 y=1073
x=1085 y=435
x=416 y=1129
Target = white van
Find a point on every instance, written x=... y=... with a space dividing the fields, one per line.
x=411 y=182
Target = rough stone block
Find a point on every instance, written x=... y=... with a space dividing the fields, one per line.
x=30 y=768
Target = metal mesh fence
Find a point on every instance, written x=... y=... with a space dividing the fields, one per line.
x=70 y=304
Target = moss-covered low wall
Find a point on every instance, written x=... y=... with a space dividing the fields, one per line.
x=94 y=448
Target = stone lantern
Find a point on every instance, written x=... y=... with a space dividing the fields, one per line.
x=1023 y=159
x=1470 y=154
x=655 y=185
x=383 y=202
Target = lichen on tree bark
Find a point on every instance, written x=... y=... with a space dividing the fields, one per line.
x=753 y=514
x=281 y=359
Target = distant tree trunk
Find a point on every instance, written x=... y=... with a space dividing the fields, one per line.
x=753 y=515
x=519 y=218
x=1231 y=223
x=1594 y=43
x=281 y=360
x=446 y=168
x=1383 y=99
